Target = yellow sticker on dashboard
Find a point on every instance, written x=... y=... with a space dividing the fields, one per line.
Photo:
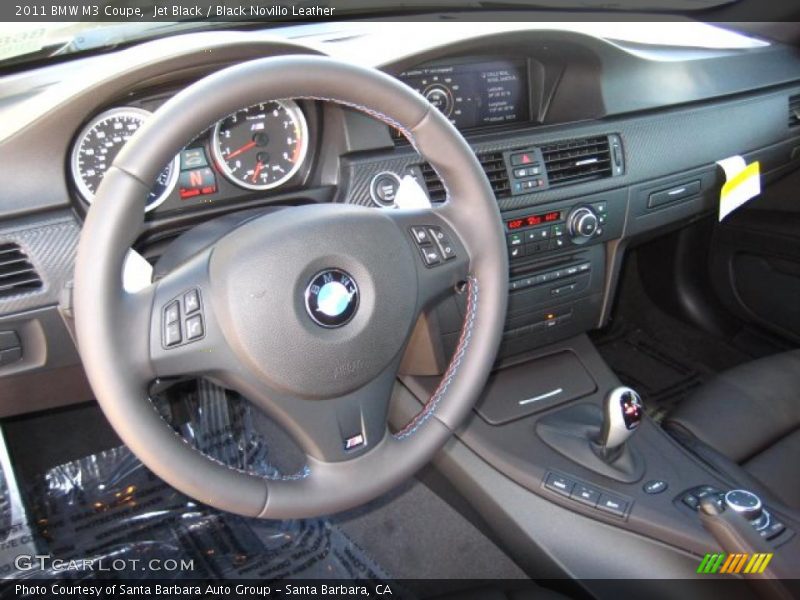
x=743 y=184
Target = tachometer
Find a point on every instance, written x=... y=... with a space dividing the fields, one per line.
x=261 y=147
x=100 y=142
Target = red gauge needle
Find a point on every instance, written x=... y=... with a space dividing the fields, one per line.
x=244 y=148
x=256 y=171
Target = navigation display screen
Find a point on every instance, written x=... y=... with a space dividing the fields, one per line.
x=478 y=94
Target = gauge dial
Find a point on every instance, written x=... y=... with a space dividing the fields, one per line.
x=261 y=147
x=98 y=145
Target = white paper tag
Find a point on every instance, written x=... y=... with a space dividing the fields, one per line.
x=742 y=183
x=411 y=195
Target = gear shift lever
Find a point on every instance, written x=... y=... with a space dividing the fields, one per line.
x=622 y=413
x=598 y=437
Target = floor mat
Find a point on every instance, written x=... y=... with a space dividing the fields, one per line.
x=661 y=374
x=109 y=509
x=663 y=358
x=107 y=506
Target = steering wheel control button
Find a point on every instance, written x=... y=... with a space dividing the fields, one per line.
x=434 y=244
x=191 y=302
x=655 y=486
x=331 y=298
x=194 y=328
x=430 y=256
x=421 y=236
x=383 y=189
x=559 y=484
x=172 y=334
x=442 y=242
x=179 y=330
x=173 y=313
x=585 y=495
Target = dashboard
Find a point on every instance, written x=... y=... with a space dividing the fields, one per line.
x=589 y=144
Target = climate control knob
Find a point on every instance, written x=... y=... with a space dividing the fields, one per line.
x=582 y=224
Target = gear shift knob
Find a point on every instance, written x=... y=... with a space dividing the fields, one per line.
x=622 y=413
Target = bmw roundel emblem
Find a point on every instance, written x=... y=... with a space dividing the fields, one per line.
x=332 y=298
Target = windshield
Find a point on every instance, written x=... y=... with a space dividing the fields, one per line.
x=28 y=40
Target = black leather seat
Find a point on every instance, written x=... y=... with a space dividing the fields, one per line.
x=750 y=416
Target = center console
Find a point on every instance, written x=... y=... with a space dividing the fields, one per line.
x=557 y=271
x=557 y=422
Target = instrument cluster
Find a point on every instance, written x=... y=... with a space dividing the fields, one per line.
x=258 y=148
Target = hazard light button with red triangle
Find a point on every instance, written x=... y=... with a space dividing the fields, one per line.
x=523 y=158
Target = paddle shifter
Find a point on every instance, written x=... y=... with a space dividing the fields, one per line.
x=622 y=413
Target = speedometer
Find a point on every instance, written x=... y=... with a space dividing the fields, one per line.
x=100 y=142
x=262 y=146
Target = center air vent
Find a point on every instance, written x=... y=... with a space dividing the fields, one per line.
x=794 y=111
x=494 y=167
x=17 y=274
x=575 y=161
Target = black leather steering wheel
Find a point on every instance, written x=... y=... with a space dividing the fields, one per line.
x=327 y=383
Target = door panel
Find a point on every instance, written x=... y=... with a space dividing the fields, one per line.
x=755 y=259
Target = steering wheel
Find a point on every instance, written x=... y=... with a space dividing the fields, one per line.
x=305 y=311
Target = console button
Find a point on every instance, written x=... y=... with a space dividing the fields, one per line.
x=585 y=495
x=383 y=188
x=515 y=239
x=191 y=302
x=563 y=290
x=194 y=327
x=559 y=484
x=774 y=530
x=533 y=247
x=172 y=313
x=612 y=505
x=655 y=486
x=691 y=501
x=516 y=252
x=523 y=158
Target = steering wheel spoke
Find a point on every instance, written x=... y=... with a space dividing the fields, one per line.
x=328 y=430
x=441 y=258
x=185 y=338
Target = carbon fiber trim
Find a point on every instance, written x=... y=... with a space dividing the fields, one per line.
x=50 y=244
x=655 y=145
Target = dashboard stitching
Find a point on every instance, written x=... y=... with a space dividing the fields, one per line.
x=455 y=364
